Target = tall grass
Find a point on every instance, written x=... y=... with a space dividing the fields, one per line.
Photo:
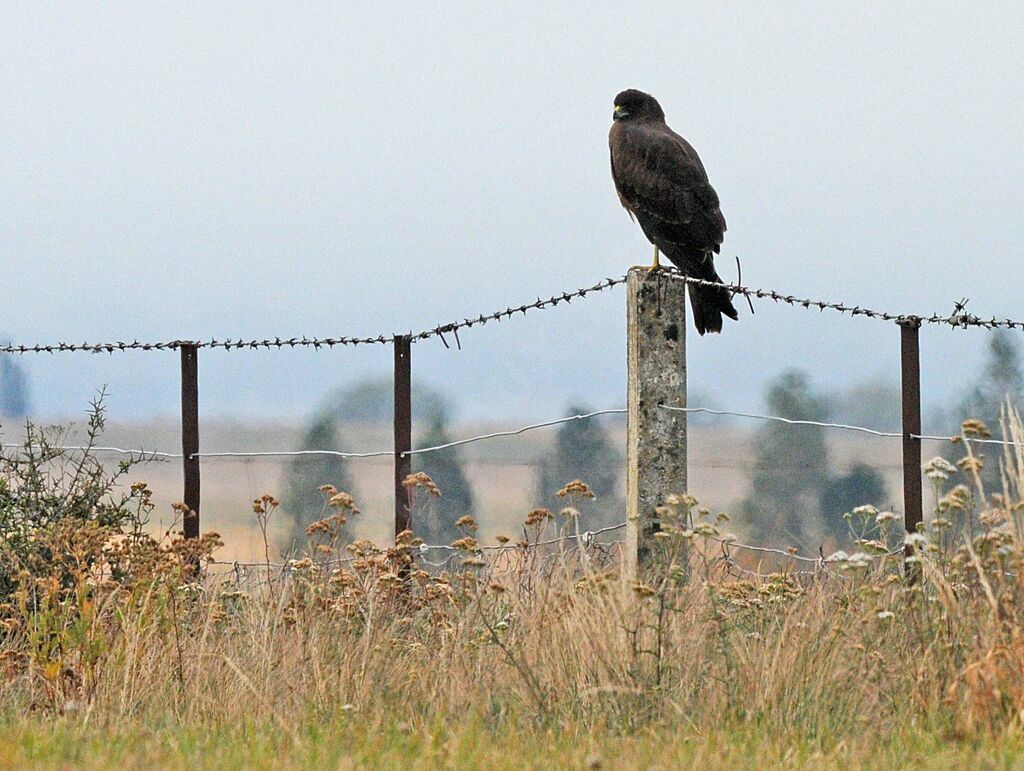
x=864 y=649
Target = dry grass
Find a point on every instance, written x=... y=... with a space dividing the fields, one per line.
x=356 y=665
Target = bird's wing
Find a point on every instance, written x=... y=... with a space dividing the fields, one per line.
x=660 y=179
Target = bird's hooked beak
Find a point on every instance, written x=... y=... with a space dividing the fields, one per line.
x=620 y=112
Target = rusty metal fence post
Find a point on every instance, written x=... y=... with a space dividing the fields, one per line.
x=910 y=384
x=190 y=437
x=402 y=430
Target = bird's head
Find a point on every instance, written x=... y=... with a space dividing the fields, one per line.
x=636 y=105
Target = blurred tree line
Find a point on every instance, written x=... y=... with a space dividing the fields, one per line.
x=14 y=389
x=1000 y=381
x=582 y=450
x=796 y=498
x=365 y=403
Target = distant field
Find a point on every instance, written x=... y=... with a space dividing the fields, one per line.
x=502 y=471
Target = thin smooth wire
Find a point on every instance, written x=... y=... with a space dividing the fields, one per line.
x=340 y=454
x=763 y=549
x=823 y=424
x=779 y=419
x=514 y=432
x=291 y=454
x=99 y=448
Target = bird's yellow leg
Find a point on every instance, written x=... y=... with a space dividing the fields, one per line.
x=656 y=265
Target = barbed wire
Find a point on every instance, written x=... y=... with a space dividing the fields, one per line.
x=453 y=327
x=957 y=320
x=173 y=345
x=438 y=331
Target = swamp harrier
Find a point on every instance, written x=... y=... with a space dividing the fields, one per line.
x=662 y=184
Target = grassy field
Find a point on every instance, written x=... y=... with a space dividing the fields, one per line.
x=542 y=657
x=352 y=743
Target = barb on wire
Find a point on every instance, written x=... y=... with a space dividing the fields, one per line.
x=739 y=281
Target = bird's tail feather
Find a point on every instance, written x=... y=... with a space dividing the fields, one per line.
x=709 y=304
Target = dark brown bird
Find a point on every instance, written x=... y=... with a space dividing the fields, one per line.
x=663 y=185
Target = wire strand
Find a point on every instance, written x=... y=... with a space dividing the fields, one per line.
x=956 y=320
x=516 y=432
x=789 y=421
x=156 y=454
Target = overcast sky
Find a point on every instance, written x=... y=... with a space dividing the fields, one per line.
x=312 y=169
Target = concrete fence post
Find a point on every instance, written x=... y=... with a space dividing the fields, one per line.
x=655 y=437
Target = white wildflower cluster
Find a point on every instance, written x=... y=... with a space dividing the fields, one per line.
x=859 y=559
x=917 y=540
x=884 y=517
x=938 y=469
x=853 y=561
